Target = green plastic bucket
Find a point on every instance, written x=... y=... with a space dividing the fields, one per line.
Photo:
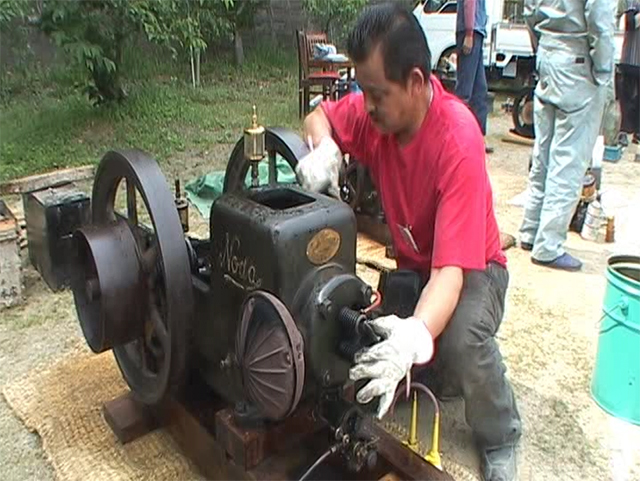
x=615 y=385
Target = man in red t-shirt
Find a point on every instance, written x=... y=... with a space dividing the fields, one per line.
x=425 y=152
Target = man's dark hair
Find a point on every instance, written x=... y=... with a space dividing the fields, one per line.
x=398 y=32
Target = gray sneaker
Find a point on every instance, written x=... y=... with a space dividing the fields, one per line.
x=499 y=464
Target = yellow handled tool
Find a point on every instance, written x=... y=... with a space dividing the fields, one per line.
x=433 y=456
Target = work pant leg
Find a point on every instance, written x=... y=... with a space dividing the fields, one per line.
x=468 y=361
x=629 y=96
x=544 y=119
x=570 y=154
x=471 y=82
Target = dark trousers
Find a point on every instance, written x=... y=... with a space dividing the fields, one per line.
x=471 y=82
x=467 y=360
x=629 y=98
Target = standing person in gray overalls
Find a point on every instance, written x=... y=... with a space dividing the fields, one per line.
x=574 y=44
x=471 y=81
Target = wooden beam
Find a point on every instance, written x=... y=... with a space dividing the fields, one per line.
x=128 y=418
x=248 y=447
x=404 y=461
x=49 y=179
x=512 y=138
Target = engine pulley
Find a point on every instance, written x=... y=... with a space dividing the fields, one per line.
x=109 y=285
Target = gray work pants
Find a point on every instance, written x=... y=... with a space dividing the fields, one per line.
x=467 y=359
x=568 y=108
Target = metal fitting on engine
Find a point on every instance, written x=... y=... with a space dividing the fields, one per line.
x=254 y=146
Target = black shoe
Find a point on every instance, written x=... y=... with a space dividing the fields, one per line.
x=488 y=150
x=499 y=464
x=623 y=140
x=526 y=246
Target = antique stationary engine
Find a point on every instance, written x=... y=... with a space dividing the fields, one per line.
x=267 y=311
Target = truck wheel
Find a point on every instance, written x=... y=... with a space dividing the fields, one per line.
x=447 y=67
x=522 y=114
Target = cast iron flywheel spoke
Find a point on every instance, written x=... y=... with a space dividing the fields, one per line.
x=159 y=328
x=149 y=258
x=132 y=208
x=142 y=355
x=273 y=168
x=352 y=191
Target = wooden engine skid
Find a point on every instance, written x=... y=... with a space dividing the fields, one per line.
x=204 y=429
x=240 y=344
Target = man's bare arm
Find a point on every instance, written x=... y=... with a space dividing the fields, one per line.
x=317 y=126
x=439 y=298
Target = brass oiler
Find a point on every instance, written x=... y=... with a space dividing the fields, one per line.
x=254 y=146
x=183 y=207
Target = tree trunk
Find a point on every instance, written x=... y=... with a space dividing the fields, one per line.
x=198 y=67
x=107 y=85
x=271 y=29
x=193 y=72
x=238 y=47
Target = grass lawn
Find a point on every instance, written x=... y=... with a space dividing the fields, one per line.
x=46 y=123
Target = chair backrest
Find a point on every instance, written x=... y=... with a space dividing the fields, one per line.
x=313 y=39
x=303 y=62
x=306 y=43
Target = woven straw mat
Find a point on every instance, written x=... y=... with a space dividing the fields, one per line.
x=63 y=403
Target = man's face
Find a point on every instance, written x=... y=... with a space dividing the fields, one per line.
x=390 y=105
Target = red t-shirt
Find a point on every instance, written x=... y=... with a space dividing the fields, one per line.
x=435 y=191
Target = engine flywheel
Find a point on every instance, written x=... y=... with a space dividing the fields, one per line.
x=132 y=280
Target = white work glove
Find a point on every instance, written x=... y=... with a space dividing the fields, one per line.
x=320 y=169
x=405 y=342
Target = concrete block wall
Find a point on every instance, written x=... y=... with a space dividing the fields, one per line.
x=277 y=23
x=10 y=264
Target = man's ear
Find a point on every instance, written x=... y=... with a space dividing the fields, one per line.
x=416 y=82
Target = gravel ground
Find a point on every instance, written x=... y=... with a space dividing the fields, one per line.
x=30 y=335
x=548 y=336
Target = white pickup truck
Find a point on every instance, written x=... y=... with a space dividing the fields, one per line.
x=508 y=55
x=507 y=48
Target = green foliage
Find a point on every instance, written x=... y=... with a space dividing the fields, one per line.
x=335 y=17
x=183 y=23
x=55 y=127
x=92 y=33
x=10 y=9
x=240 y=13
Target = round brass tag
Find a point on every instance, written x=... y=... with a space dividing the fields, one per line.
x=323 y=246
